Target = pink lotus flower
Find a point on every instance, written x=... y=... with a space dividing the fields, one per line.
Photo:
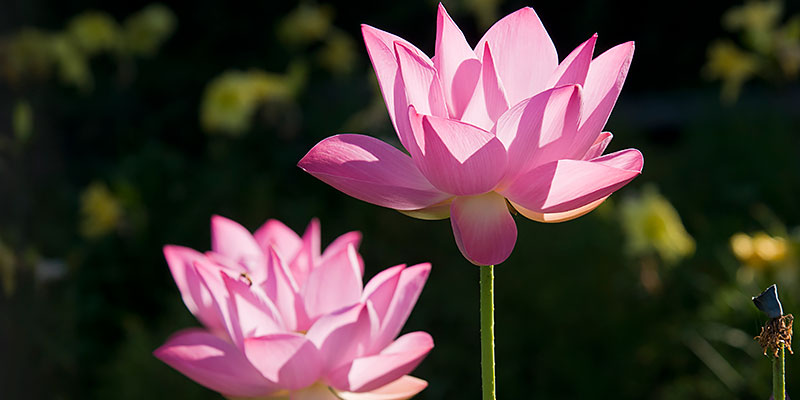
x=284 y=321
x=499 y=126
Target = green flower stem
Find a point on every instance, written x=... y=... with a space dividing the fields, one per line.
x=487 y=332
x=779 y=375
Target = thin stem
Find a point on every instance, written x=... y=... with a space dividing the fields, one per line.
x=779 y=375
x=487 y=332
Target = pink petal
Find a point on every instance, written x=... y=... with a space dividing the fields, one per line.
x=567 y=185
x=193 y=291
x=524 y=55
x=373 y=372
x=214 y=280
x=381 y=288
x=458 y=158
x=490 y=100
x=282 y=290
x=233 y=240
x=213 y=363
x=541 y=129
x=372 y=171
x=604 y=81
x=278 y=236
x=404 y=388
x=309 y=254
x=289 y=359
x=456 y=63
x=574 y=68
x=485 y=232
x=380 y=46
x=558 y=217
x=251 y=315
x=341 y=243
x=342 y=336
x=393 y=294
x=334 y=285
x=423 y=87
x=599 y=146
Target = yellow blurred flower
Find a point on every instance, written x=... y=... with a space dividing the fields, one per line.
x=305 y=24
x=338 y=54
x=758 y=20
x=231 y=99
x=73 y=66
x=732 y=65
x=101 y=211
x=94 y=31
x=146 y=30
x=771 y=50
x=22 y=121
x=651 y=223
x=759 y=250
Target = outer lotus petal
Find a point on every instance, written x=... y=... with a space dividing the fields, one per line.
x=381 y=288
x=232 y=240
x=308 y=256
x=558 y=217
x=373 y=372
x=435 y=212
x=458 y=158
x=274 y=234
x=193 y=291
x=252 y=315
x=524 y=55
x=566 y=185
x=380 y=46
x=213 y=363
x=372 y=171
x=393 y=295
x=342 y=336
x=334 y=285
x=341 y=243
x=574 y=68
x=423 y=87
x=404 y=388
x=599 y=146
x=490 y=100
x=289 y=359
x=213 y=277
x=604 y=81
x=541 y=129
x=282 y=290
x=485 y=232
x=456 y=63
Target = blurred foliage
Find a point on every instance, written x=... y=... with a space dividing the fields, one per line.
x=769 y=48
x=7 y=269
x=232 y=99
x=97 y=181
x=32 y=54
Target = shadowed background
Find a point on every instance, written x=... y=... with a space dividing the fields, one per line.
x=125 y=125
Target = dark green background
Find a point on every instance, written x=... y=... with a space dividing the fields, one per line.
x=573 y=320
